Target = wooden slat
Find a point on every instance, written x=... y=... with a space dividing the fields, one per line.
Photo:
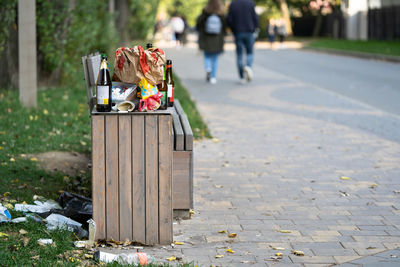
x=151 y=163
x=112 y=211
x=165 y=179
x=98 y=176
x=125 y=177
x=138 y=180
x=178 y=132
x=181 y=180
x=185 y=126
x=191 y=168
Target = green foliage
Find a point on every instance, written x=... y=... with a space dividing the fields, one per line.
x=187 y=9
x=143 y=18
x=7 y=17
x=67 y=31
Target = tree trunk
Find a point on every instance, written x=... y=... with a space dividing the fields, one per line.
x=122 y=7
x=318 y=24
x=286 y=16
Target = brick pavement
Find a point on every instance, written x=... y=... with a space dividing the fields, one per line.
x=279 y=150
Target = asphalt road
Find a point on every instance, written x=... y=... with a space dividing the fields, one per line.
x=376 y=83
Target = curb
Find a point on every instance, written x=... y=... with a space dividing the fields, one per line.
x=395 y=59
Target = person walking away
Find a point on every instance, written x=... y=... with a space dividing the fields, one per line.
x=271 y=31
x=243 y=21
x=281 y=31
x=178 y=27
x=211 y=25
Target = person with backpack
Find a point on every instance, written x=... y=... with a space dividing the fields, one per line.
x=243 y=21
x=211 y=25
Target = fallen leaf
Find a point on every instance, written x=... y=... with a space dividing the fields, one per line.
x=45 y=112
x=1 y=148
x=279 y=254
x=232 y=235
x=222 y=231
x=219 y=256
x=178 y=243
x=277 y=248
x=15 y=181
x=373 y=186
x=6 y=194
x=37 y=257
x=218 y=186
x=127 y=242
x=83 y=143
x=3 y=234
x=215 y=140
x=23 y=232
x=172 y=258
x=230 y=250
x=8 y=206
x=34 y=159
x=285 y=231
x=298 y=252
x=344 y=178
x=88 y=256
x=12 y=159
x=26 y=241
x=191 y=212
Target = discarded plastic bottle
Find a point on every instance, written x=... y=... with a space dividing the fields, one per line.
x=5 y=215
x=138 y=258
x=135 y=258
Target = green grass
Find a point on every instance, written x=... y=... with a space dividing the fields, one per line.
x=60 y=123
x=197 y=124
x=390 y=48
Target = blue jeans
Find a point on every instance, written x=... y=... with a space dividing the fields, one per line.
x=211 y=63
x=244 y=40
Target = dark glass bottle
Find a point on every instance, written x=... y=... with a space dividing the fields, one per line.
x=103 y=87
x=163 y=88
x=170 y=83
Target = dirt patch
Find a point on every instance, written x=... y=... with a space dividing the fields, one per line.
x=71 y=163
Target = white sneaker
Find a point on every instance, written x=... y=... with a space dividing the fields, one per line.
x=213 y=81
x=248 y=73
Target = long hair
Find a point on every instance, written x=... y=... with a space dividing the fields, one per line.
x=215 y=7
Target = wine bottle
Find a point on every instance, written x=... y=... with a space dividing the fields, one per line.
x=170 y=83
x=103 y=87
x=163 y=88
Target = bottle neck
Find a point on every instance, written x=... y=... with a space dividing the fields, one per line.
x=103 y=64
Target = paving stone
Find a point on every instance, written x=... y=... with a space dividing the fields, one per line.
x=285 y=172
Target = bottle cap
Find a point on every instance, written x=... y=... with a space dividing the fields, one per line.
x=169 y=61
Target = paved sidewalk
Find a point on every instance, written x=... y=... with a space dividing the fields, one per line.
x=272 y=174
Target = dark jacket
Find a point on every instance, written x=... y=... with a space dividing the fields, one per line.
x=242 y=16
x=212 y=43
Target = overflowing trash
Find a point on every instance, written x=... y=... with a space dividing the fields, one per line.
x=71 y=212
x=73 y=206
x=5 y=215
x=58 y=221
x=135 y=258
x=45 y=242
x=41 y=205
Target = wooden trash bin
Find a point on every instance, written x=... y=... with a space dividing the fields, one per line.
x=132 y=156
